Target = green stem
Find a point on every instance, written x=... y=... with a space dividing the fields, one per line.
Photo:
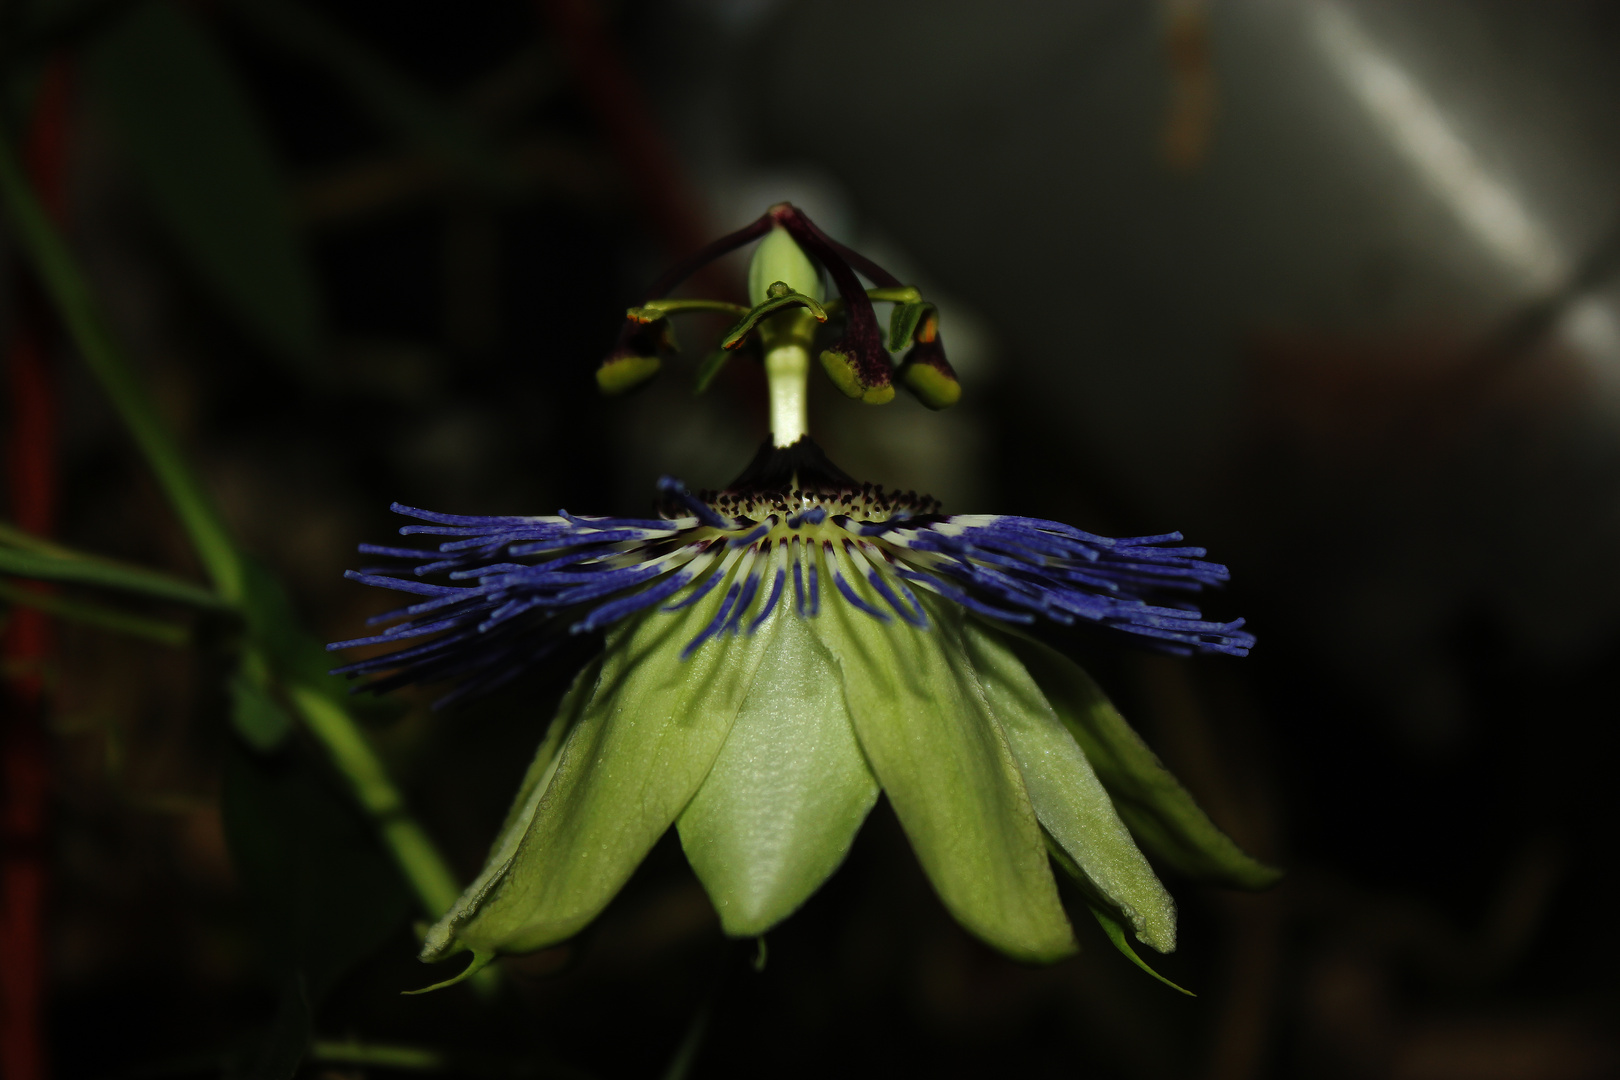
x=60 y=564
x=429 y=875
x=11 y=536
x=120 y=622
x=77 y=309
x=680 y=1064
x=377 y=1055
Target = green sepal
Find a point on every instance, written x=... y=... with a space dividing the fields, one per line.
x=1116 y=934
x=710 y=369
x=788 y=792
x=930 y=738
x=846 y=376
x=1160 y=813
x=903 y=322
x=649 y=728
x=779 y=298
x=619 y=374
x=439 y=941
x=480 y=960
x=544 y=764
x=1068 y=798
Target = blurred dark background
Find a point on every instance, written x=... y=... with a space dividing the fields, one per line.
x=1332 y=287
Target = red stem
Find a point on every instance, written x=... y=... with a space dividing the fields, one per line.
x=27 y=647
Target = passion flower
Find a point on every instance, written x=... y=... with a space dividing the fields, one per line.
x=776 y=654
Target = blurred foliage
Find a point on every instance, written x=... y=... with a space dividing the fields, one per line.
x=327 y=894
x=188 y=126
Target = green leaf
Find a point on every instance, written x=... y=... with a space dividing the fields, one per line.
x=929 y=736
x=195 y=139
x=1160 y=813
x=1116 y=934
x=106 y=573
x=1068 y=798
x=648 y=732
x=788 y=793
x=327 y=893
x=257 y=717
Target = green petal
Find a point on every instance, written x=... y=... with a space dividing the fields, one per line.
x=1068 y=798
x=788 y=792
x=646 y=737
x=922 y=720
x=1158 y=810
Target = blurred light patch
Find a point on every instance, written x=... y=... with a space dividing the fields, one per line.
x=1487 y=207
x=1490 y=210
x=1590 y=324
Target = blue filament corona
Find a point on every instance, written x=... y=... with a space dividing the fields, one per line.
x=508 y=591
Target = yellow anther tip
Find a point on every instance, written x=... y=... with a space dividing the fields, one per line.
x=619 y=374
x=931 y=386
